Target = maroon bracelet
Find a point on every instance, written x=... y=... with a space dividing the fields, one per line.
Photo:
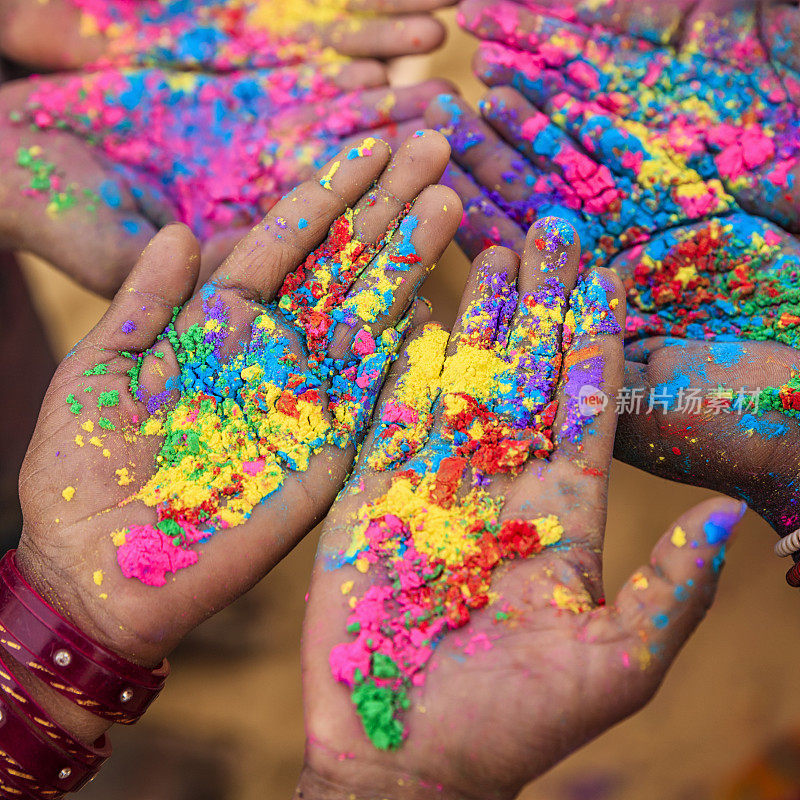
x=47 y=729
x=35 y=635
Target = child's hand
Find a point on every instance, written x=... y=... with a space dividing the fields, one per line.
x=456 y=642
x=622 y=153
x=91 y=165
x=213 y=34
x=220 y=432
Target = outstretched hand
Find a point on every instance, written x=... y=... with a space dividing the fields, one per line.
x=183 y=450
x=670 y=140
x=92 y=164
x=457 y=643
x=213 y=34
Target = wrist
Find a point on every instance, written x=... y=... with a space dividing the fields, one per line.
x=94 y=617
x=377 y=783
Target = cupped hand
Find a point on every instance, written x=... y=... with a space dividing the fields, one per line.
x=183 y=450
x=627 y=138
x=92 y=164
x=457 y=643
x=213 y=34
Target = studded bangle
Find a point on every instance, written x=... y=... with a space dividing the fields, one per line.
x=51 y=648
x=38 y=758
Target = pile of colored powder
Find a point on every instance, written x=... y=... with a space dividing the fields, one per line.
x=735 y=278
x=213 y=151
x=482 y=408
x=438 y=554
x=233 y=424
x=223 y=34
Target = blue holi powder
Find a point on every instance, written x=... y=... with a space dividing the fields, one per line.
x=131 y=226
x=681 y=593
x=762 y=427
x=661 y=621
x=302 y=223
x=110 y=193
x=667 y=393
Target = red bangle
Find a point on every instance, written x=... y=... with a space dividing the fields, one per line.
x=38 y=758
x=35 y=635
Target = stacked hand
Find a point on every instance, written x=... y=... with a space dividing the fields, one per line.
x=213 y=34
x=457 y=643
x=102 y=159
x=654 y=151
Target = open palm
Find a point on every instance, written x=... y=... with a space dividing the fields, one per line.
x=458 y=592
x=213 y=34
x=117 y=154
x=233 y=415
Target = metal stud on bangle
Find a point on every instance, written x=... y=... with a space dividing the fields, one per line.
x=788 y=545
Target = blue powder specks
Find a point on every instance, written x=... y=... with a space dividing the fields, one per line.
x=302 y=223
x=661 y=620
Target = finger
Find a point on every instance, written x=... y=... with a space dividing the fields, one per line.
x=418 y=164
x=661 y=605
x=398 y=6
x=300 y=221
x=395 y=134
x=386 y=38
x=484 y=223
x=547 y=276
x=163 y=278
x=403 y=417
x=362 y=111
x=488 y=302
x=591 y=375
x=390 y=282
x=494 y=165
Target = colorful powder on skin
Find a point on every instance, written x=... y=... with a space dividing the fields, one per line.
x=438 y=534
x=232 y=425
x=46 y=183
x=213 y=151
x=219 y=34
x=654 y=155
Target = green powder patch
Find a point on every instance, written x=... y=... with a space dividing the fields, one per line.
x=379 y=705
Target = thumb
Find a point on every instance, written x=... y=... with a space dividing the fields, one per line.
x=164 y=277
x=663 y=602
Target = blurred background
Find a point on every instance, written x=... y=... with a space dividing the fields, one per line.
x=725 y=725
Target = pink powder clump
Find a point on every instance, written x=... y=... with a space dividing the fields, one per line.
x=148 y=554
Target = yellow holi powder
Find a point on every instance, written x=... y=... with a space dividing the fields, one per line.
x=347 y=587
x=97 y=577
x=567 y=599
x=414 y=393
x=123 y=478
x=678 y=536
x=474 y=371
x=68 y=493
x=88 y=426
x=550 y=529
x=326 y=179
x=287 y=17
x=640 y=582
x=96 y=441
x=118 y=537
x=79 y=440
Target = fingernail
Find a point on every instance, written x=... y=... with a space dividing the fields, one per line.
x=720 y=525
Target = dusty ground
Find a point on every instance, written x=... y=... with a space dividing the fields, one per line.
x=730 y=694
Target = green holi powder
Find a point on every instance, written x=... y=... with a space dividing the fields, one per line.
x=97 y=369
x=45 y=181
x=107 y=424
x=378 y=705
x=74 y=406
x=109 y=398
